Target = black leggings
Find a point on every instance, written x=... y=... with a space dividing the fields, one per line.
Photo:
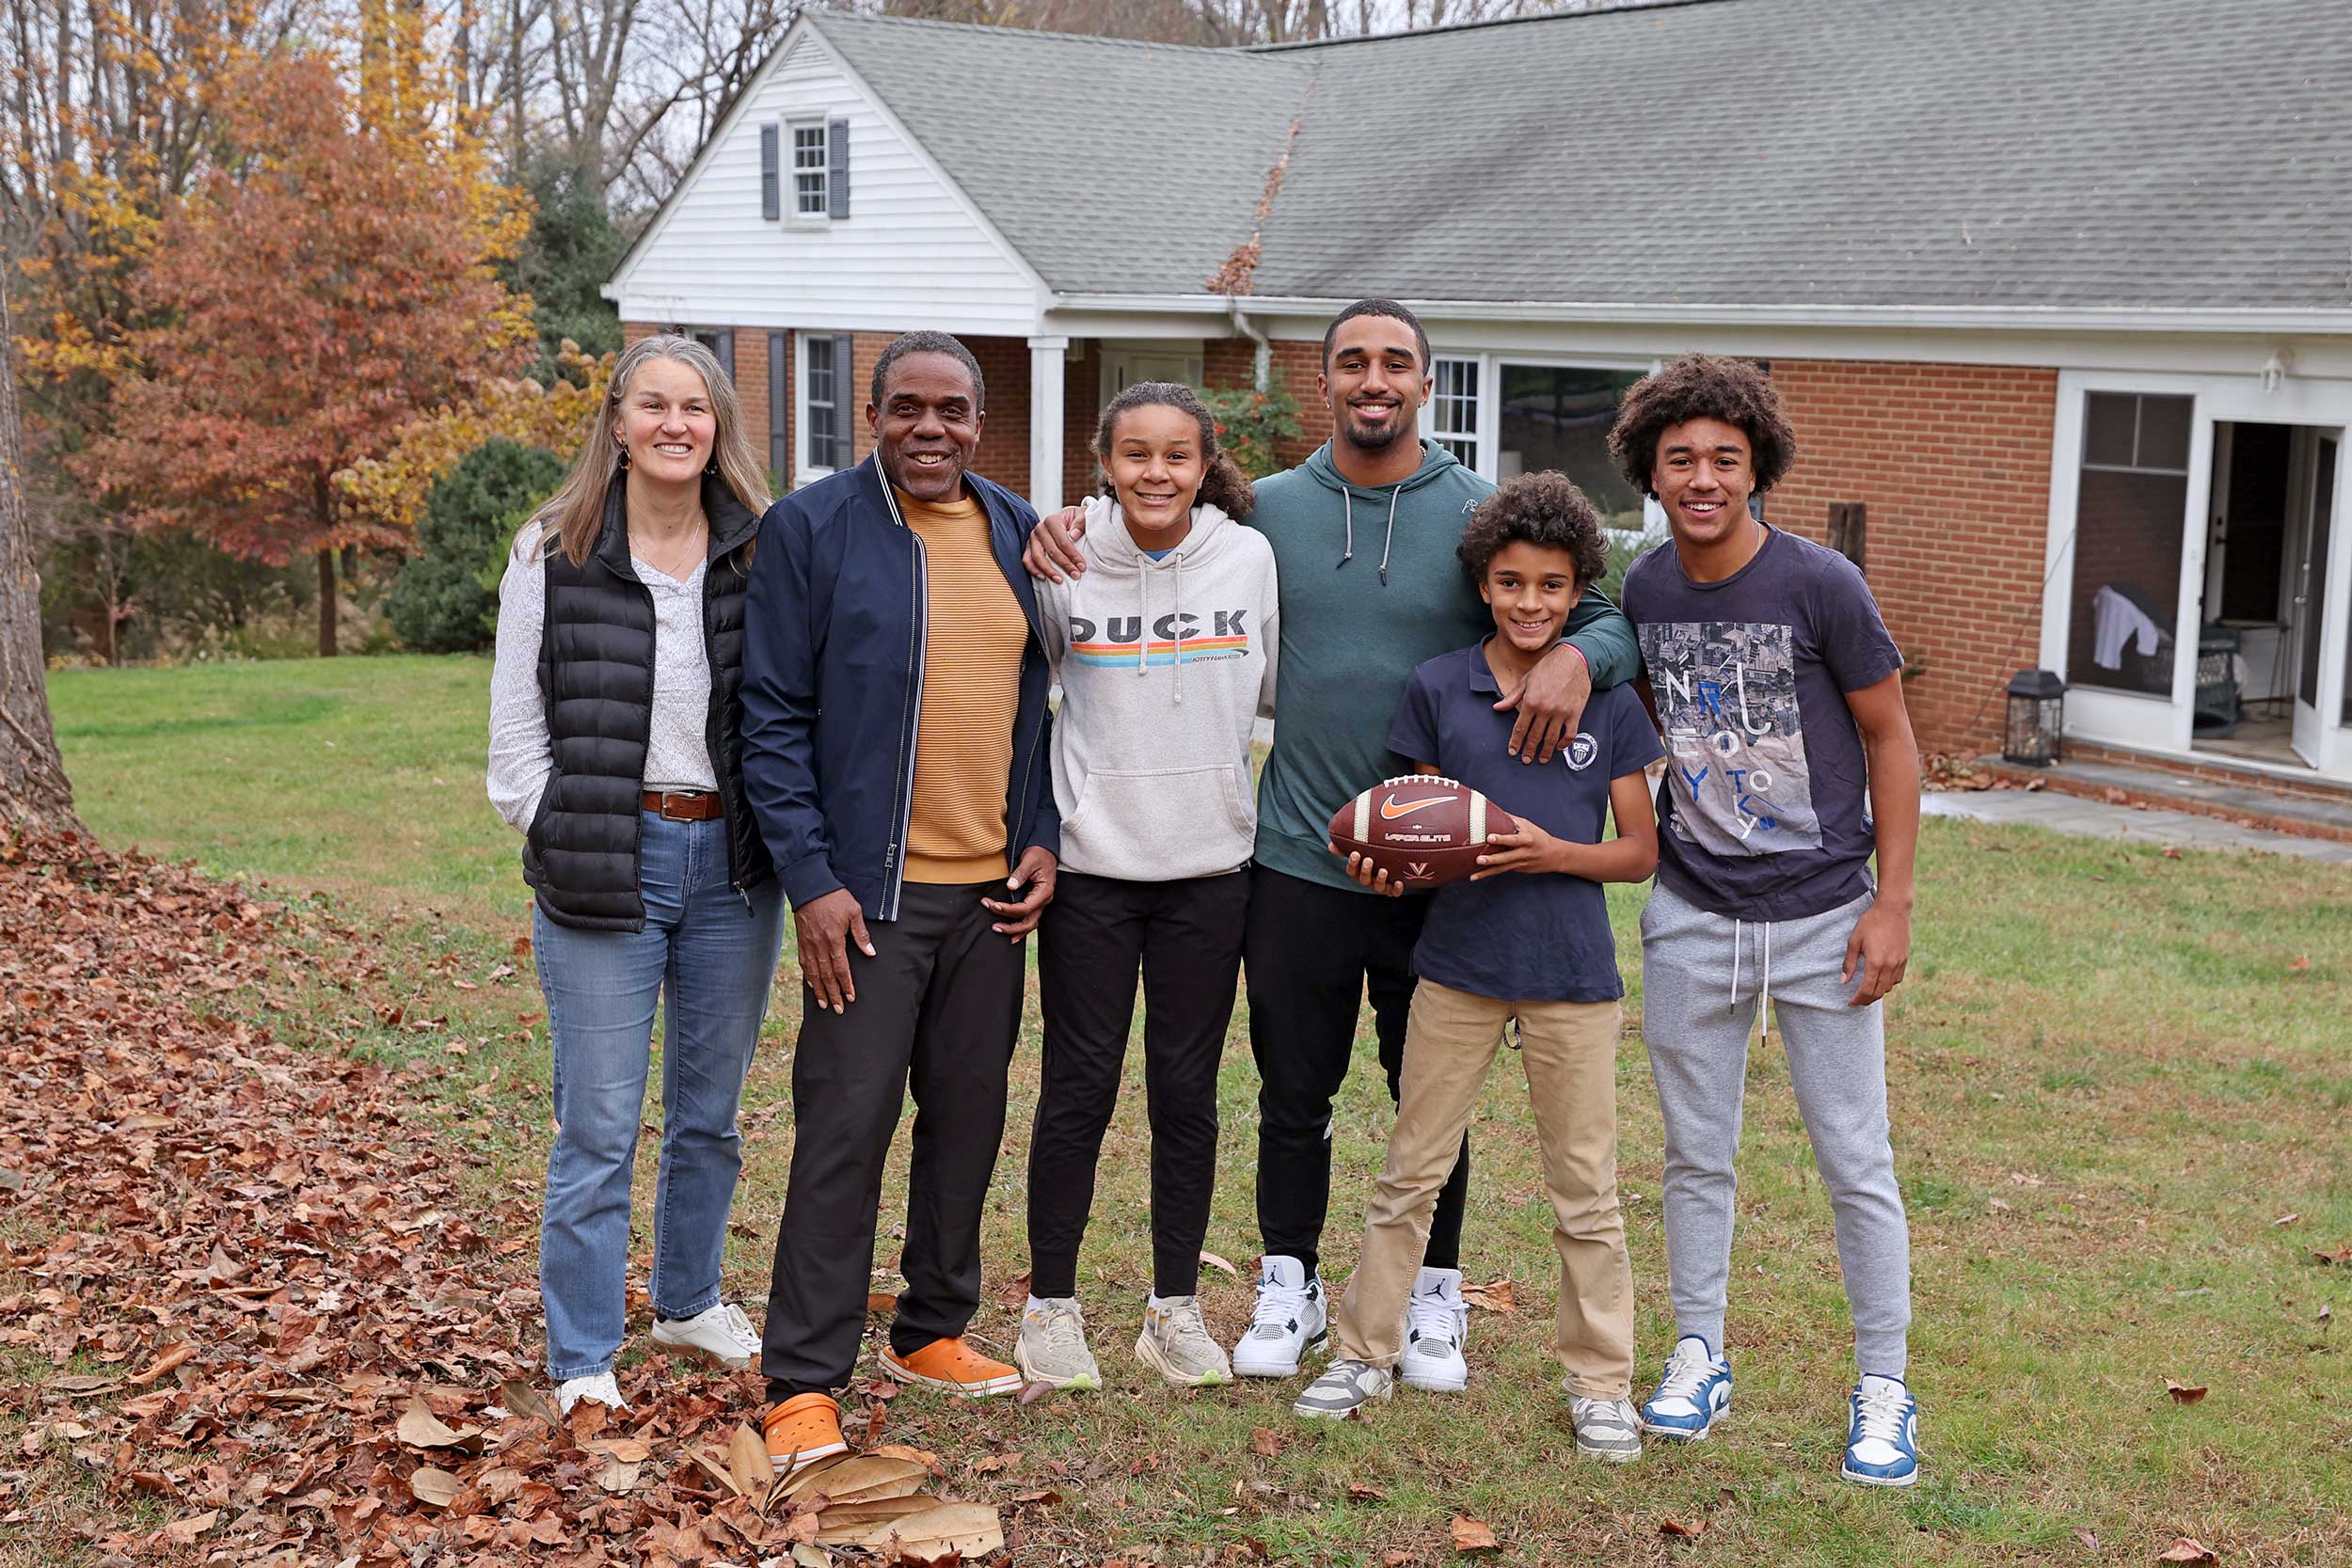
x=1186 y=938
x=1313 y=952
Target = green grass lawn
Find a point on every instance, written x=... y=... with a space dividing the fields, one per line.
x=2112 y=1074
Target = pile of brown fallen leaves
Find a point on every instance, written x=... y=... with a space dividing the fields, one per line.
x=278 y=1334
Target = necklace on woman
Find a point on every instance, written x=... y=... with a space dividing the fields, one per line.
x=680 y=564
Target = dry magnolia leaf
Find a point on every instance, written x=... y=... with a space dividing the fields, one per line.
x=1015 y=1294
x=847 y=1523
x=717 y=1470
x=617 y=1477
x=629 y=1451
x=924 y=1457
x=2286 y=1219
x=2090 y=1542
x=2187 y=1549
x=965 y=1529
x=171 y=1358
x=1496 y=1296
x=989 y=1464
x=185 y=1531
x=1695 y=1529
x=1264 y=1442
x=421 y=1429
x=798 y=1482
x=1472 y=1535
x=2182 y=1393
x=1216 y=1262
x=521 y=1398
x=749 y=1467
x=1395 y=1560
x=1362 y=1493
x=437 y=1488
x=806 y=1556
x=870 y=1478
x=880 y=1301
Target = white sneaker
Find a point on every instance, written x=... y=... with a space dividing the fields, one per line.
x=601 y=1388
x=1176 y=1345
x=1289 y=1318
x=1344 y=1387
x=720 y=1332
x=1606 y=1429
x=1437 y=1324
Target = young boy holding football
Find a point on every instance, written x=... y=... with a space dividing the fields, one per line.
x=1527 y=940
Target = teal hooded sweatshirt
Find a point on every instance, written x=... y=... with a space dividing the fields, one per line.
x=1371 y=589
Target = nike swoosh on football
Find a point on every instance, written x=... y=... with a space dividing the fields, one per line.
x=1394 y=808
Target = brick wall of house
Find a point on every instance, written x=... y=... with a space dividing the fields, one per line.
x=1953 y=462
x=1232 y=362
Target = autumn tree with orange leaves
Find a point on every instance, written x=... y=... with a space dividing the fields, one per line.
x=327 y=284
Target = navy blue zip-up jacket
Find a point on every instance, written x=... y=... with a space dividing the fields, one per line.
x=832 y=681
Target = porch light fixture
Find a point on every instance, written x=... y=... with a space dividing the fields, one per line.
x=2037 y=708
x=2274 y=372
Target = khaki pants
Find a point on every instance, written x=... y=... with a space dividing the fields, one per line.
x=1570 y=1049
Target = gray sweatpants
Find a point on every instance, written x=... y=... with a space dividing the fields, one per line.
x=1701 y=977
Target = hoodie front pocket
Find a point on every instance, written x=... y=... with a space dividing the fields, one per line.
x=1155 y=806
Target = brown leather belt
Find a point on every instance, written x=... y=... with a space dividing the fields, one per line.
x=684 y=805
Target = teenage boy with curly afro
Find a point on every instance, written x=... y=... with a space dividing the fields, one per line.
x=1524 y=941
x=1790 y=760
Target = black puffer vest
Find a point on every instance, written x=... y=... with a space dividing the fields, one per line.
x=595 y=681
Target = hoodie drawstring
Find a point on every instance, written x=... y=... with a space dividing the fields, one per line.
x=1176 y=623
x=1347 y=509
x=1764 y=996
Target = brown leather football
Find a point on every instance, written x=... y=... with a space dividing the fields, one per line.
x=1425 y=829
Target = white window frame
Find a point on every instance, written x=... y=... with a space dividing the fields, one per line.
x=1455 y=437
x=805 y=469
x=796 y=212
x=2166 y=724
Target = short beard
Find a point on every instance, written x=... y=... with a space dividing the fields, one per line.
x=1371 y=441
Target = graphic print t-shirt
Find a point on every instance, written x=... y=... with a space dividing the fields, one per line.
x=1765 y=811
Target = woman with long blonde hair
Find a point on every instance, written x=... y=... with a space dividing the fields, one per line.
x=615 y=707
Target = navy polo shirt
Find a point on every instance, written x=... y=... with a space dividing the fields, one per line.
x=1523 y=936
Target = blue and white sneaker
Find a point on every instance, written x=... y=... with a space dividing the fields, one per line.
x=1882 y=1433
x=1691 y=1396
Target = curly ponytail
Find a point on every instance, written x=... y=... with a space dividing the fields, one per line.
x=1223 y=484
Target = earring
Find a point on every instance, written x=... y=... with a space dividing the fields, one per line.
x=623 y=459
x=712 y=471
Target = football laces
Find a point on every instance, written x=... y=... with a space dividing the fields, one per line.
x=1420 y=779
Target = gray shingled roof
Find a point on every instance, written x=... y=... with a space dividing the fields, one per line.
x=2158 y=153
x=1130 y=167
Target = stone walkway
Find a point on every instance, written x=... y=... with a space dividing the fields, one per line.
x=2072 y=814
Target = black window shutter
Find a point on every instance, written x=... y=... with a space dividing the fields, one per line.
x=844 y=449
x=779 y=426
x=770 y=198
x=725 y=350
x=837 y=170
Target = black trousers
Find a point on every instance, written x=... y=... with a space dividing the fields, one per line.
x=1186 y=938
x=937 y=1012
x=1313 y=952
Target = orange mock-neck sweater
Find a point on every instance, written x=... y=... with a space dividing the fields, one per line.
x=972 y=652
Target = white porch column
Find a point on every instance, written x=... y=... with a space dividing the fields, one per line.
x=1046 y=358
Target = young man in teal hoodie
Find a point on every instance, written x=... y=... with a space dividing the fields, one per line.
x=1364 y=535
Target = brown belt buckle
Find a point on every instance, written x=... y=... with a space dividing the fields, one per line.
x=685 y=810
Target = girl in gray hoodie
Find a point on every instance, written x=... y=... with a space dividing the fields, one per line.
x=1165 y=649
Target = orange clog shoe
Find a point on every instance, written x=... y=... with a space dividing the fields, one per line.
x=801 y=1431
x=953 y=1367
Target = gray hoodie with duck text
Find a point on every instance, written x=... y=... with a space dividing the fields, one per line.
x=1164 y=665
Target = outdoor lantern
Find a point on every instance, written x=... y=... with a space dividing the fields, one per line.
x=2037 y=708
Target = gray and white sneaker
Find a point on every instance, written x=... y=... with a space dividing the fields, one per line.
x=1176 y=1345
x=1289 y=1318
x=1436 y=1325
x=1053 y=1345
x=1344 y=1387
x=1606 y=1429
x=718 y=1333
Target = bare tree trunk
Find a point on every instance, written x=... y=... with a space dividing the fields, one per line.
x=326 y=604
x=32 y=789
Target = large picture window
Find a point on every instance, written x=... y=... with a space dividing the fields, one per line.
x=1558 y=416
x=2129 y=524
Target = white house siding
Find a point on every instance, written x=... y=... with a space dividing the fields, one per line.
x=910 y=254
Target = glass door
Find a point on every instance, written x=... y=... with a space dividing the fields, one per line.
x=2321 y=626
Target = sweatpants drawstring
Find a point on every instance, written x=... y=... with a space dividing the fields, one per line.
x=1764 y=996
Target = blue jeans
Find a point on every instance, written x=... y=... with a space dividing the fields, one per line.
x=708 y=958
